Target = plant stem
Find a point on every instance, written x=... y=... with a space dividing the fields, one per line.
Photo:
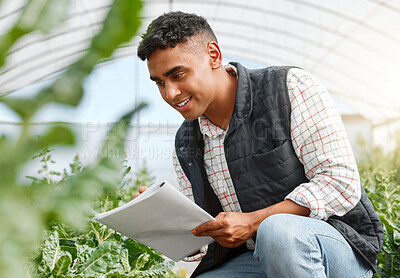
x=98 y=237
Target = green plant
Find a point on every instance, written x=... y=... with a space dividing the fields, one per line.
x=381 y=179
x=376 y=160
x=65 y=255
x=131 y=186
x=97 y=251
x=46 y=171
x=29 y=207
x=384 y=192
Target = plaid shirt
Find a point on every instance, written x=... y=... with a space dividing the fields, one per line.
x=320 y=142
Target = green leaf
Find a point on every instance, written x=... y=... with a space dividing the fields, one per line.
x=102 y=259
x=135 y=249
x=70 y=249
x=67 y=89
x=42 y=15
x=125 y=260
x=62 y=265
x=24 y=108
x=389 y=226
x=396 y=237
x=141 y=261
x=157 y=270
x=122 y=23
x=57 y=135
x=51 y=251
x=83 y=253
x=126 y=171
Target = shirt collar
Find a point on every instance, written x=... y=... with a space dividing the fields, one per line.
x=208 y=128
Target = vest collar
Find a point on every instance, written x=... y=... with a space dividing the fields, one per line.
x=244 y=98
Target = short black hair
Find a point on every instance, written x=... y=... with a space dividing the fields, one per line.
x=172 y=28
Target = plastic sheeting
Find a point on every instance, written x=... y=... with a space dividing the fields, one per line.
x=351 y=46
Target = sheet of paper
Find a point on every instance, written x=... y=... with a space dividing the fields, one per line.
x=161 y=218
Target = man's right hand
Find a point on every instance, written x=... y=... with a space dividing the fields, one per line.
x=141 y=190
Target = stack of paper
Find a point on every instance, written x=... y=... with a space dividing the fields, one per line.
x=161 y=218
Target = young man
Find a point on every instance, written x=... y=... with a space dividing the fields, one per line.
x=265 y=152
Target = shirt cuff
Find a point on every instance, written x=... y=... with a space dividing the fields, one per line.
x=303 y=195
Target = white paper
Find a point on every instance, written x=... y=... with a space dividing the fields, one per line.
x=161 y=218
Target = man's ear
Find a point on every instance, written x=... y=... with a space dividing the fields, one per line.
x=215 y=54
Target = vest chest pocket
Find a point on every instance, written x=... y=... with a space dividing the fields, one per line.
x=268 y=175
x=281 y=160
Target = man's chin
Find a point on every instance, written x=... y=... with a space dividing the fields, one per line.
x=190 y=117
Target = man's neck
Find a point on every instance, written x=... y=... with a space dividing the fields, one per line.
x=222 y=107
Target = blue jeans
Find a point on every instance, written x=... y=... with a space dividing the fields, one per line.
x=290 y=246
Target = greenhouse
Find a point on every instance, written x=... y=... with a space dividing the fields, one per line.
x=82 y=126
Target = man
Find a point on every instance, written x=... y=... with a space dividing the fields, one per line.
x=265 y=152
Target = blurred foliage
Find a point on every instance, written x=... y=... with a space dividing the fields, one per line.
x=96 y=251
x=29 y=206
x=380 y=175
x=120 y=25
x=372 y=161
x=38 y=15
x=142 y=178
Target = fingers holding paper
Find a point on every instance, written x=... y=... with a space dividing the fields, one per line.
x=230 y=229
x=141 y=190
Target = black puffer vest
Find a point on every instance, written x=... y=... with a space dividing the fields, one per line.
x=263 y=165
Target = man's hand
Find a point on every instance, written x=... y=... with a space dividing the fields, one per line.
x=141 y=190
x=230 y=229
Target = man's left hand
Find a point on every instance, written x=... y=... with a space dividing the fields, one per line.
x=230 y=229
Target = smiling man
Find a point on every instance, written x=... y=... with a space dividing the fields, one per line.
x=265 y=152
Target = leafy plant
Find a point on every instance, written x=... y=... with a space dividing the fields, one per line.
x=46 y=171
x=384 y=193
x=97 y=251
x=380 y=176
x=29 y=207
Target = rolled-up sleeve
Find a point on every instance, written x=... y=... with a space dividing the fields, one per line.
x=321 y=144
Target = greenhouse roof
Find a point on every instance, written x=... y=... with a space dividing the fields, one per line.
x=351 y=46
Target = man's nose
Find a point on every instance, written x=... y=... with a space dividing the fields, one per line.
x=171 y=91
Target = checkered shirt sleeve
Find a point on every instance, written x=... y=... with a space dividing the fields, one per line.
x=321 y=144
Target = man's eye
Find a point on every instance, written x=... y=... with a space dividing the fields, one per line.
x=178 y=75
x=160 y=83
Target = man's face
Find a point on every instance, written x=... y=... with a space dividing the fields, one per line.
x=184 y=78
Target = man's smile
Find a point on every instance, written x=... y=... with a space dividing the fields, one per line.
x=182 y=105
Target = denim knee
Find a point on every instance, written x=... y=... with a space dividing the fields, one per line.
x=295 y=246
x=276 y=235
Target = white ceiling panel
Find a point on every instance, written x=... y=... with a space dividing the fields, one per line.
x=353 y=47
